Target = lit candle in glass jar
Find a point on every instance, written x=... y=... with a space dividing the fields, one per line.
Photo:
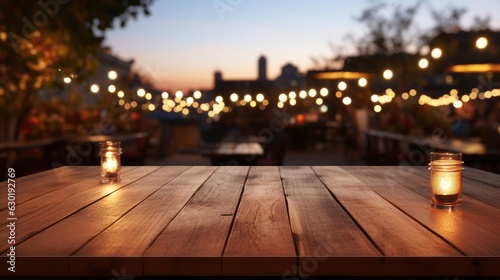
x=446 y=180
x=110 y=161
x=110 y=164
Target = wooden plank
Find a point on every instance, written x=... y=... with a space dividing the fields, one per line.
x=40 y=183
x=64 y=238
x=59 y=194
x=455 y=227
x=321 y=228
x=58 y=175
x=133 y=233
x=44 y=217
x=198 y=234
x=482 y=176
x=392 y=230
x=473 y=210
x=261 y=242
x=481 y=191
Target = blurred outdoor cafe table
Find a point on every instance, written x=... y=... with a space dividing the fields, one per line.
x=233 y=153
x=251 y=220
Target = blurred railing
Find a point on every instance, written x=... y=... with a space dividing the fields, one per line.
x=387 y=148
x=34 y=156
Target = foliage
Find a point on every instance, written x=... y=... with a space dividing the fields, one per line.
x=387 y=28
x=43 y=41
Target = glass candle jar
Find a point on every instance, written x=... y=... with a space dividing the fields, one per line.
x=110 y=152
x=446 y=180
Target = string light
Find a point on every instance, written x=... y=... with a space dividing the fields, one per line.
x=323 y=92
x=197 y=94
x=423 y=63
x=481 y=43
x=388 y=74
x=347 y=100
x=436 y=53
x=282 y=98
x=312 y=93
x=362 y=82
x=141 y=92
x=112 y=75
x=111 y=88
x=94 y=88
x=302 y=94
x=342 y=86
x=217 y=106
x=248 y=98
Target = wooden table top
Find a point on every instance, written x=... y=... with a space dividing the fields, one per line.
x=259 y=220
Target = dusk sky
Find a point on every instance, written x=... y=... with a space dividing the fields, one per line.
x=183 y=42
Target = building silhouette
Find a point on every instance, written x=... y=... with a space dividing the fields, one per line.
x=289 y=79
x=262 y=75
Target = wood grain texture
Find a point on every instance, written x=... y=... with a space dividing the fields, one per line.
x=34 y=222
x=318 y=223
x=261 y=242
x=60 y=194
x=201 y=229
x=460 y=228
x=133 y=233
x=321 y=227
x=393 y=231
x=482 y=176
x=63 y=238
x=37 y=184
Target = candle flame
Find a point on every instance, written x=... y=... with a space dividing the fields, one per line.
x=110 y=165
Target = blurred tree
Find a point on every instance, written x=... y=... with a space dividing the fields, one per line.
x=448 y=20
x=336 y=61
x=387 y=28
x=481 y=23
x=41 y=42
